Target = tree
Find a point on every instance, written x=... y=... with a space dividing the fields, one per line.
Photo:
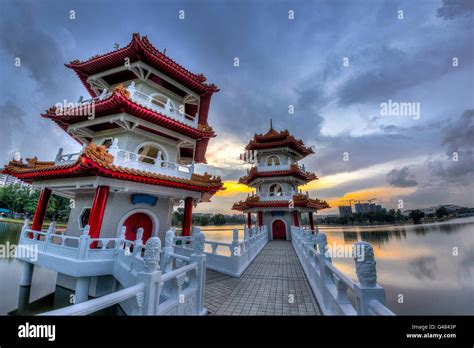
x=218 y=219
x=441 y=211
x=416 y=216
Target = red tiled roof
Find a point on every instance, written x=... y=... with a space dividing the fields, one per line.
x=119 y=102
x=140 y=49
x=293 y=171
x=96 y=161
x=299 y=201
x=275 y=139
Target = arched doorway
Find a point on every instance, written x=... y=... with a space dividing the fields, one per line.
x=134 y=222
x=279 y=229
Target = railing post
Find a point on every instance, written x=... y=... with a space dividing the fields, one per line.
x=138 y=241
x=199 y=257
x=84 y=242
x=51 y=230
x=121 y=241
x=367 y=289
x=169 y=239
x=151 y=276
x=26 y=225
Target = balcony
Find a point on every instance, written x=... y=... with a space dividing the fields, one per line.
x=285 y=196
x=264 y=167
x=134 y=160
x=163 y=107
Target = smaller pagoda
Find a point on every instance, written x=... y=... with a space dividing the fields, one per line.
x=276 y=177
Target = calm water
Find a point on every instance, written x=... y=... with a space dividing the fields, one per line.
x=414 y=261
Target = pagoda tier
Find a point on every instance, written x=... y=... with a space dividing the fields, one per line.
x=294 y=171
x=275 y=139
x=299 y=201
x=139 y=49
x=96 y=161
x=120 y=102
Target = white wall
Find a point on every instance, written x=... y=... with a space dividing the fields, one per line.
x=118 y=205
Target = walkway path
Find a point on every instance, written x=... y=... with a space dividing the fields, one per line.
x=273 y=284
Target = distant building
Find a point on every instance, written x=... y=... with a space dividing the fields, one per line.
x=361 y=208
x=7 y=180
x=345 y=210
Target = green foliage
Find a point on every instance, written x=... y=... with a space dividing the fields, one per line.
x=441 y=212
x=416 y=216
x=23 y=200
x=377 y=217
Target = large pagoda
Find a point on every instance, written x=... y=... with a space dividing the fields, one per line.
x=142 y=132
x=276 y=177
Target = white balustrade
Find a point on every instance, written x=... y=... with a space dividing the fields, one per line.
x=159 y=281
x=134 y=160
x=331 y=285
x=265 y=196
x=265 y=167
x=231 y=258
x=167 y=109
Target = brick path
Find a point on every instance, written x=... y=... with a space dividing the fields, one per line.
x=267 y=287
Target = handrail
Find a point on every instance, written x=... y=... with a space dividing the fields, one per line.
x=91 y=306
x=178 y=271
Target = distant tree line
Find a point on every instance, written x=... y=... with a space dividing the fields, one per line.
x=22 y=200
x=208 y=219
x=384 y=217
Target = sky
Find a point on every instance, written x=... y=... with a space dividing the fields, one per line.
x=337 y=63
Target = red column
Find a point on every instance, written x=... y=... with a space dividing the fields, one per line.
x=188 y=216
x=260 y=218
x=295 y=218
x=249 y=220
x=311 y=221
x=41 y=208
x=97 y=210
x=204 y=105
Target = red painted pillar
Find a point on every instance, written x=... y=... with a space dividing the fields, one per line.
x=188 y=216
x=41 y=208
x=296 y=221
x=97 y=211
x=204 y=105
x=260 y=218
x=311 y=221
x=249 y=220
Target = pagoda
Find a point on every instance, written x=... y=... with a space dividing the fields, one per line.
x=276 y=177
x=142 y=132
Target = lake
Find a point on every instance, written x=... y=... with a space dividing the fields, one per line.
x=425 y=269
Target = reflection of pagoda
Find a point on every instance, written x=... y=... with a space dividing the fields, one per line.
x=147 y=128
x=276 y=178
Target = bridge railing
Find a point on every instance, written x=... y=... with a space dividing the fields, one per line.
x=173 y=284
x=238 y=253
x=330 y=285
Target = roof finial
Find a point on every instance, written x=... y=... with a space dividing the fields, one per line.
x=271 y=124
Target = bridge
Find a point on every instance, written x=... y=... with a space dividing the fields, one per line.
x=192 y=276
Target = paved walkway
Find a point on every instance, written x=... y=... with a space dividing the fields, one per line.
x=273 y=284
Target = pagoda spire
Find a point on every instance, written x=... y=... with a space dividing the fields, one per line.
x=271 y=124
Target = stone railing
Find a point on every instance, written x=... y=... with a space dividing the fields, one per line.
x=330 y=285
x=171 y=284
x=134 y=160
x=265 y=196
x=264 y=167
x=229 y=258
x=167 y=109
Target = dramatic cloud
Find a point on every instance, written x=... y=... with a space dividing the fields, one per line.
x=455 y=8
x=401 y=178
